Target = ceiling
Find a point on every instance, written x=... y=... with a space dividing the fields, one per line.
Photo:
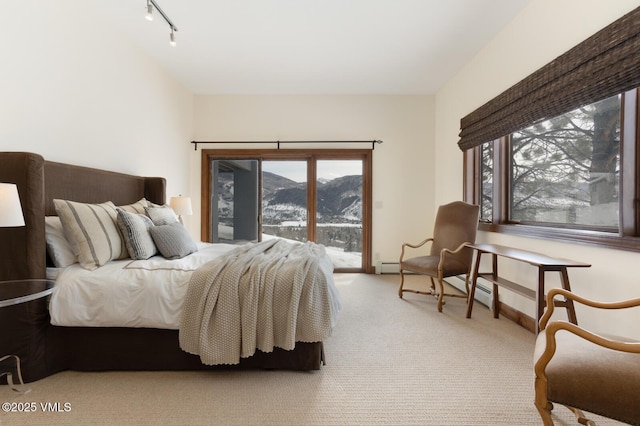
x=313 y=46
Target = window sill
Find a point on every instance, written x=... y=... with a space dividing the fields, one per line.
x=592 y=238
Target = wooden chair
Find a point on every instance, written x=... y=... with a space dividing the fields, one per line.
x=455 y=227
x=586 y=371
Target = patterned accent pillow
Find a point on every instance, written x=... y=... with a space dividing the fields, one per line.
x=173 y=240
x=161 y=215
x=137 y=207
x=135 y=232
x=92 y=232
x=58 y=248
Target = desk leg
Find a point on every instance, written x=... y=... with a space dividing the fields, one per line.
x=474 y=281
x=568 y=303
x=540 y=300
x=495 y=295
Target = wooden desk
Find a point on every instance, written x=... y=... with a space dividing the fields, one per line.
x=542 y=262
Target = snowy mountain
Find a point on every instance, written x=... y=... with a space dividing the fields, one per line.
x=339 y=200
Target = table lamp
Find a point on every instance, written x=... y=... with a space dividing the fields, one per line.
x=10 y=208
x=182 y=206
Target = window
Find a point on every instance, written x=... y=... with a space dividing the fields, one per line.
x=303 y=195
x=486 y=188
x=572 y=177
x=556 y=155
x=565 y=170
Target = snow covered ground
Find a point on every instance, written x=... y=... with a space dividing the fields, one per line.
x=338 y=256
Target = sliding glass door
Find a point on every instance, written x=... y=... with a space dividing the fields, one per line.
x=293 y=194
x=339 y=210
x=284 y=200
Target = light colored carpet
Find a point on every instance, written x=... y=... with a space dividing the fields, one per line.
x=389 y=361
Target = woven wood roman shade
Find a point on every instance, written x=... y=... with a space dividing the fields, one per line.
x=606 y=64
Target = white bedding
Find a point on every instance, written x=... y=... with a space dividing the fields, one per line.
x=128 y=293
x=135 y=293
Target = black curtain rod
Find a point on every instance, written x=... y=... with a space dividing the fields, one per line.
x=373 y=142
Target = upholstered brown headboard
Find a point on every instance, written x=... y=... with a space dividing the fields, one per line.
x=23 y=250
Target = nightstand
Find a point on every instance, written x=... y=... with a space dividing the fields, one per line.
x=21 y=321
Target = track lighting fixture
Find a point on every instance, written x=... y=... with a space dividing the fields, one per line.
x=151 y=4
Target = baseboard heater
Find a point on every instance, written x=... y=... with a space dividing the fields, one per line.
x=387 y=268
x=483 y=288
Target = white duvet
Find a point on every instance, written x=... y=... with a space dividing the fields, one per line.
x=135 y=293
x=128 y=293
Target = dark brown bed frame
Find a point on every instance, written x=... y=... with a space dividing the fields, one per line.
x=46 y=349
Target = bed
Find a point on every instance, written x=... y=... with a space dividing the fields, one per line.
x=45 y=348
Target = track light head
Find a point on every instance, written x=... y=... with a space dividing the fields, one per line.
x=172 y=37
x=149 y=16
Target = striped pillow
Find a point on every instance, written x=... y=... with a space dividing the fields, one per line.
x=135 y=232
x=137 y=207
x=92 y=232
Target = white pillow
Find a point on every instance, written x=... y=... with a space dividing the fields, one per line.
x=161 y=215
x=91 y=229
x=59 y=249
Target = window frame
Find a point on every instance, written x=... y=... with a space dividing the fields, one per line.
x=628 y=235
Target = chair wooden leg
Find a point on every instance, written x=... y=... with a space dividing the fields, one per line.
x=440 y=294
x=542 y=404
x=466 y=283
x=401 y=284
x=545 y=415
x=580 y=416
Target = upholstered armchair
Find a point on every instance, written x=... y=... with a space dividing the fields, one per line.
x=455 y=227
x=586 y=371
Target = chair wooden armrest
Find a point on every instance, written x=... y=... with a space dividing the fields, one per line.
x=580 y=362
x=445 y=251
x=414 y=246
x=569 y=295
x=555 y=326
x=551 y=328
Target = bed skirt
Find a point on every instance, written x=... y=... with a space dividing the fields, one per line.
x=102 y=349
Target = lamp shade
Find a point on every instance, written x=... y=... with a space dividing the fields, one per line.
x=10 y=208
x=181 y=205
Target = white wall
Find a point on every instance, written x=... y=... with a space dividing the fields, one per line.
x=75 y=91
x=544 y=30
x=403 y=166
